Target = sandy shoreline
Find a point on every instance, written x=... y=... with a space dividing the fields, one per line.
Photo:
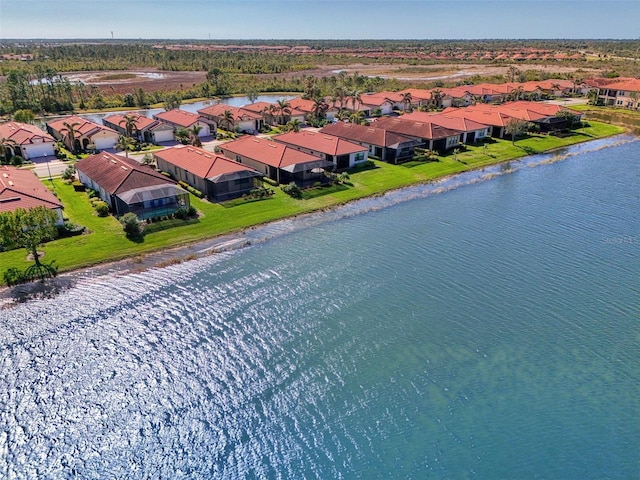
x=10 y=296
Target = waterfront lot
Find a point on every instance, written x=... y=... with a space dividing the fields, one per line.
x=107 y=241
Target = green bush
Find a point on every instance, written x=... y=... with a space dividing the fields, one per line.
x=102 y=208
x=69 y=173
x=131 y=225
x=270 y=181
x=292 y=189
x=190 y=189
x=13 y=276
x=185 y=212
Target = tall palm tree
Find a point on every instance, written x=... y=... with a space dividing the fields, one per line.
x=229 y=121
x=436 y=97
x=406 y=100
x=319 y=108
x=356 y=99
x=129 y=121
x=70 y=132
x=283 y=108
x=6 y=146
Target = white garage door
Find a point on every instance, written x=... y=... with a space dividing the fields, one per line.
x=38 y=150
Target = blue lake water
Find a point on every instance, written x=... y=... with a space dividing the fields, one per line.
x=188 y=107
x=486 y=328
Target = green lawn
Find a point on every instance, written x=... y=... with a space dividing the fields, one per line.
x=107 y=241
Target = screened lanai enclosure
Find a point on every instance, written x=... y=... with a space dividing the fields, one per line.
x=153 y=201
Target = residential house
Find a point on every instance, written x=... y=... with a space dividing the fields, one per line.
x=27 y=140
x=419 y=97
x=128 y=186
x=146 y=129
x=384 y=144
x=216 y=176
x=472 y=131
x=21 y=188
x=432 y=136
x=182 y=119
x=342 y=153
x=277 y=161
x=495 y=120
x=232 y=118
x=86 y=133
x=623 y=94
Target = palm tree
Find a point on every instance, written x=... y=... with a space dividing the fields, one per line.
x=343 y=115
x=319 y=108
x=436 y=97
x=293 y=125
x=357 y=118
x=229 y=121
x=269 y=113
x=124 y=144
x=194 y=139
x=356 y=99
x=283 y=108
x=406 y=100
x=516 y=93
x=129 y=121
x=6 y=146
x=70 y=133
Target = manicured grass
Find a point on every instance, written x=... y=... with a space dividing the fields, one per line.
x=108 y=242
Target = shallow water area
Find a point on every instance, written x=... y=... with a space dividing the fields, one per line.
x=479 y=326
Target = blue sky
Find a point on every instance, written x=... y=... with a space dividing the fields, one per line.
x=319 y=19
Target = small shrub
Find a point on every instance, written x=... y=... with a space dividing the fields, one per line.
x=69 y=173
x=92 y=194
x=271 y=182
x=292 y=190
x=182 y=213
x=102 y=208
x=16 y=160
x=131 y=225
x=13 y=276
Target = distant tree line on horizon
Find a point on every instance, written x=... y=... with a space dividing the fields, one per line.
x=40 y=85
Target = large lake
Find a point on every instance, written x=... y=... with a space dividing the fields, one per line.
x=489 y=330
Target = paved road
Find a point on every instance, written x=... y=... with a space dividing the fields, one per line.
x=48 y=167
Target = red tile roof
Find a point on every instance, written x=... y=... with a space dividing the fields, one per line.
x=179 y=117
x=219 y=109
x=632 y=85
x=488 y=117
x=24 y=133
x=118 y=174
x=452 y=122
x=85 y=127
x=370 y=135
x=268 y=152
x=22 y=189
x=142 y=122
x=415 y=129
x=200 y=162
x=320 y=142
x=257 y=107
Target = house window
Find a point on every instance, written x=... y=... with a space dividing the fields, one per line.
x=621 y=93
x=619 y=102
x=359 y=157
